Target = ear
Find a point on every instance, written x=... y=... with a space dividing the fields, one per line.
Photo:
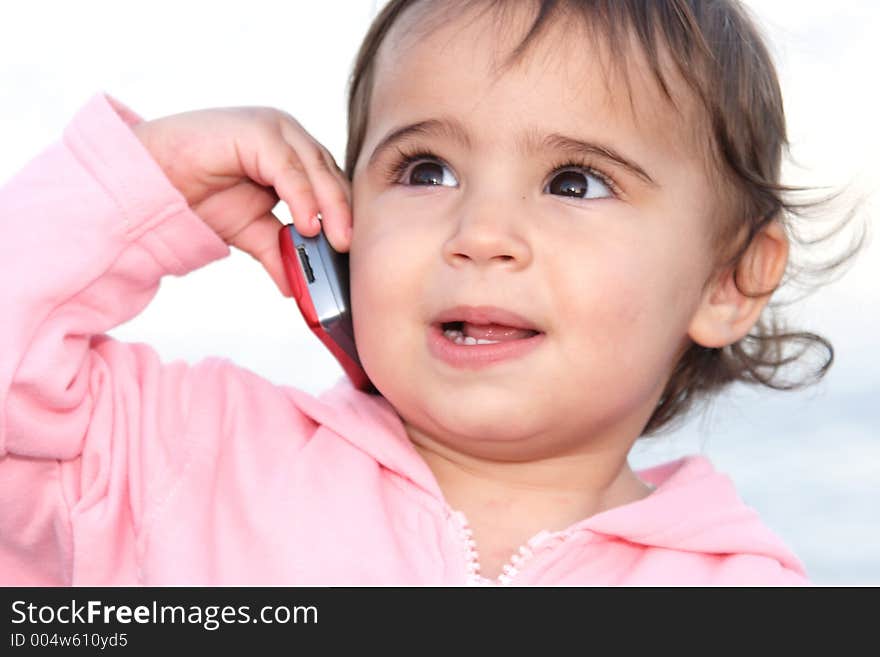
x=725 y=314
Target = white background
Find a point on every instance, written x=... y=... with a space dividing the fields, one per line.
x=809 y=461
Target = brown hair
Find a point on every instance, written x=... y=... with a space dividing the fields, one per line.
x=720 y=55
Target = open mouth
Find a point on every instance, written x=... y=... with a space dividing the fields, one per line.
x=466 y=333
x=474 y=337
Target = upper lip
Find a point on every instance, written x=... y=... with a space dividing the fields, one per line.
x=485 y=315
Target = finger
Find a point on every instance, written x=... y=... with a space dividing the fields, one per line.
x=270 y=160
x=345 y=185
x=344 y=182
x=230 y=210
x=330 y=187
x=259 y=238
x=333 y=200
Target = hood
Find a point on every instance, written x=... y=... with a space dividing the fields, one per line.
x=694 y=507
x=697 y=509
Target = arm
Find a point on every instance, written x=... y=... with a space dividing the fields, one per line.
x=93 y=431
x=87 y=230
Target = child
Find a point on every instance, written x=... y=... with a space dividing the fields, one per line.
x=583 y=196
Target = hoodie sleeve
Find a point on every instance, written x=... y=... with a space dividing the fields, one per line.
x=87 y=424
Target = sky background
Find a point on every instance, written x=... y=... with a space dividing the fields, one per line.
x=808 y=461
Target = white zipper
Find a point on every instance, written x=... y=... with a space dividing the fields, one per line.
x=513 y=566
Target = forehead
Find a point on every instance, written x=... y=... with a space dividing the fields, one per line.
x=572 y=77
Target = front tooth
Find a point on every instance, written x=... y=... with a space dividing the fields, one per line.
x=459 y=338
x=469 y=341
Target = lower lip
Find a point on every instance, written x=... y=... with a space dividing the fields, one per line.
x=478 y=355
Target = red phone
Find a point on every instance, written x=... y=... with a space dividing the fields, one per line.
x=319 y=278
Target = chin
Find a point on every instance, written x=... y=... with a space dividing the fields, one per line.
x=501 y=418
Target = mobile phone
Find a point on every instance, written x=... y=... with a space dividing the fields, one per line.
x=319 y=278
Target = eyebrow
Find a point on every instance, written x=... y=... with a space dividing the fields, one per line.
x=529 y=142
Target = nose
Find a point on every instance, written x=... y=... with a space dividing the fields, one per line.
x=489 y=231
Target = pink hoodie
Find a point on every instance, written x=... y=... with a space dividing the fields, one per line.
x=117 y=469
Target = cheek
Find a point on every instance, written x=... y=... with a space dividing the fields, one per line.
x=630 y=301
x=386 y=295
x=609 y=283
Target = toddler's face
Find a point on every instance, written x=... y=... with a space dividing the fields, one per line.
x=604 y=247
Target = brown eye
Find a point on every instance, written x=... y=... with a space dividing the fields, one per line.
x=578 y=184
x=430 y=173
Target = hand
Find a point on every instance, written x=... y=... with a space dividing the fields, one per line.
x=233 y=164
